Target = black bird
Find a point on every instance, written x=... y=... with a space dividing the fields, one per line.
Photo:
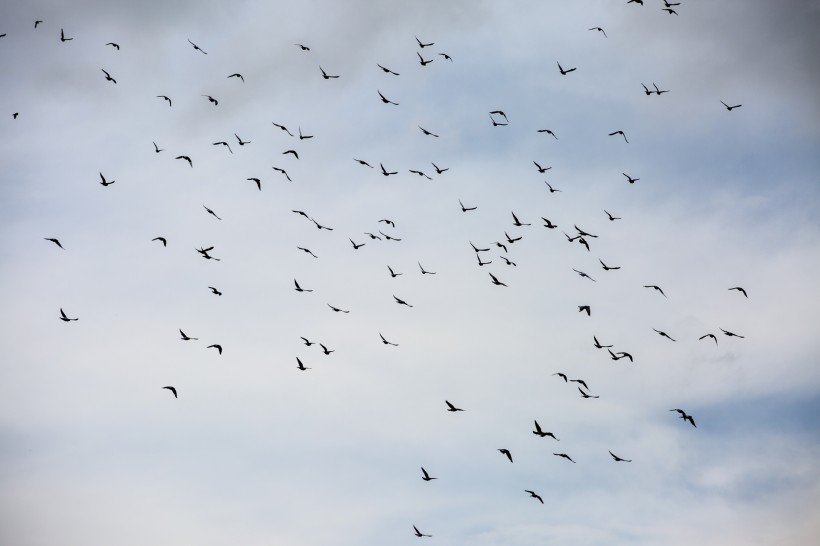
x=599 y=29
x=498 y=124
x=303 y=47
x=685 y=417
x=374 y=237
x=570 y=239
x=507 y=453
x=215 y=291
x=186 y=158
x=212 y=100
x=387 y=70
x=386 y=100
x=337 y=310
x=282 y=127
x=630 y=179
x=730 y=334
x=730 y=108
x=541 y=433
x=256 y=181
x=561 y=375
x=500 y=113
x=501 y=245
x=534 y=495
x=426 y=477
x=392 y=274
x=739 y=289
x=549 y=132
x=516 y=222
x=478 y=249
x=618 y=459
x=507 y=261
x=389 y=222
x=215 y=346
x=663 y=334
x=325 y=75
x=157 y=149
x=635 y=2
x=670 y=11
x=108 y=76
x=552 y=190
x=439 y=170
x=204 y=252
x=185 y=337
x=624 y=354
x=303 y=137
x=196 y=47
x=385 y=171
x=612 y=218
x=241 y=142
x=365 y=163
x=388 y=237
x=606 y=267
x=598 y=344
x=548 y=224
x=63 y=317
x=512 y=240
x=326 y=350
x=646 y=90
x=540 y=168
x=212 y=213
x=585 y=395
x=14 y=115
x=105 y=182
x=580 y=382
x=669 y=5
x=292 y=152
x=480 y=263
x=564 y=455
x=713 y=336
x=355 y=246
x=419 y=533
x=451 y=407
x=301 y=213
x=426 y=132
x=420 y=174
x=401 y=302
x=112 y=44
x=164 y=97
x=223 y=143
x=422 y=62
x=446 y=57
x=299 y=288
x=307 y=251
x=172 y=389
x=53 y=240
x=586 y=308
x=36 y=23
x=237 y=75
x=565 y=72
x=421 y=45
x=387 y=342
x=619 y=133
x=658 y=288
x=658 y=91
x=581 y=273
x=63 y=38
x=424 y=272
x=465 y=209
x=300 y=365
x=583 y=241
x=496 y=281
x=283 y=171
x=584 y=233
x=308 y=343
x=161 y=240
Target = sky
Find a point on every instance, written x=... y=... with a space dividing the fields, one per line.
x=254 y=451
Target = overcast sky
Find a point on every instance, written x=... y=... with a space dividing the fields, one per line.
x=254 y=451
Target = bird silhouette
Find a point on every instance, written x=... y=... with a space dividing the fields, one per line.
x=157 y=149
x=663 y=334
x=540 y=168
x=53 y=240
x=115 y=46
x=425 y=476
x=499 y=113
x=582 y=274
x=619 y=133
x=185 y=337
x=606 y=267
x=561 y=375
x=215 y=346
x=534 y=495
x=303 y=47
x=355 y=246
x=465 y=209
x=419 y=533
x=567 y=71
x=172 y=389
x=511 y=240
x=713 y=336
x=283 y=128
x=325 y=350
x=365 y=163
x=658 y=288
x=598 y=344
x=387 y=70
x=223 y=143
x=451 y=407
x=426 y=132
x=516 y=222
x=291 y=152
x=683 y=415
x=325 y=74
x=389 y=222
x=646 y=90
x=388 y=237
x=420 y=173
x=320 y=226
x=730 y=334
x=215 y=291
x=301 y=366
x=548 y=224
x=385 y=99
x=586 y=308
x=303 y=137
x=372 y=236
x=658 y=91
x=212 y=100
x=422 y=61
x=498 y=123
x=425 y=272
x=741 y=290
x=730 y=108
x=385 y=172
x=237 y=75
x=161 y=240
x=447 y=57
x=196 y=47
x=585 y=395
x=612 y=218
x=186 y=158
x=549 y=132
x=299 y=288
x=37 y=23
x=401 y=302
x=393 y=274
x=164 y=97
x=307 y=251
x=421 y=45
x=552 y=190
x=495 y=281
x=108 y=76
x=255 y=181
x=283 y=171
x=507 y=453
x=599 y=29
x=480 y=263
x=670 y=11
x=564 y=455
x=387 y=342
x=438 y=169
x=63 y=317
x=212 y=213
x=337 y=310
x=618 y=459
x=105 y=182
x=63 y=38
x=507 y=261
x=541 y=433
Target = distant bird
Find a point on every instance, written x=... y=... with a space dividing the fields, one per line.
x=612 y=218
x=658 y=288
x=303 y=47
x=507 y=453
x=635 y=2
x=565 y=72
x=325 y=350
x=115 y=46
x=583 y=241
x=475 y=248
x=497 y=123
x=730 y=334
x=63 y=38
x=561 y=375
x=385 y=99
x=446 y=57
x=387 y=70
x=215 y=291
x=619 y=133
x=685 y=416
x=223 y=143
x=420 y=174
x=299 y=288
x=105 y=182
x=495 y=281
x=465 y=209
x=63 y=317
x=534 y=495
x=586 y=308
x=212 y=100
x=421 y=45
x=172 y=389
x=308 y=343
x=426 y=132
x=256 y=181
x=451 y=407
x=164 y=97
x=540 y=168
x=423 y=62
x=215 y=346
x=325 y=74
x=730 y=108
x=564 y=455
x=37 y=23
x=185 y=337
x=392 y=274
x=511 y=240
x=646 y=90
x=658 y=91
x=439 y=170
x=739 y=289
x=713 y=336
x=303 y=137
x=53 y=240
x=670 y=11
x=186 y=158
x=599 y=29
x=624 y=354
x=291 y=152
x=585 y=395
x=387 y=342
x=283 y=171
x=374 y=237
x=548 y=131
x=390 y=223
x=598 y=344
x=161 y=240
x=385 y=172
x=507 y=261
x=501 y=245
x=480 y=263
x=196 y=47
x=388 y=237
x=419 y=533
x=630 y=179
x=517 y=222
x=425 y=476
x=14 y=115
x=108 y=76
x=355 y=246
x=337 y=310
x=606 y=267
x=425 y=272
x=548 y=224
x=582 y=274
x=552 y=190
x=204 y=252
x=499 y=113
x=307 y=251
x=302 y=213
x=401 y=302
x=541 y=433
x=580 y=382
x=237 y=75
x=663 y=334
x=157 y=149
x=301 y=366
x=212 y=213
x=282 y=127
x=362 y=162
x=618 y=459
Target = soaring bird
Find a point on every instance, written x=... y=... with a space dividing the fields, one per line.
x=511 y=240
x=495 y=281
x=63 y=317
x=283 y=171
x=301 y=366
x=105 y=182
x=548 y=224
x=646 y=90
x=307 y=251
x=606 y=267
x=498 y=123
x=215 y=346
x=299 y=288
x=185 y=337
x=196 y=47
x=438 y=169
x=223 y=143
x=561 y=375
x=212 y=100
x=446 y=57
x=37 y=23
x=157 y=149
x=186 y=158
x=303 y=47
x=451 y=407
x=392 y=273
x=53 y=240
x=425 y=476
x=658 y=288
x=507 y=261
x=534 y=495
x=670 y=11
x=565 y=72
x=337 y=310
x=282 y=127
x=612 y=218
x=586 y=308
x=212 y=213
x=237 y=75
x=422 y=45
x=630 y=179
x=619 y=133
x=388 y=237
x=549 y=132
x=401 y=302
x=582 y=274
x=618 y=459
x=730 y=334
x=552 y=190
x=115 y=46
x=599 y=29
x=465 y=209
x=424 y=271
x=63 y=38
x=419 y=533
x=172 y=389
x=658 y=91
x=385 y=99
x=301 y=136
x=355 y=246
x=541 y=433
x=480 y=263
x=420 y=173
x=598 y=344
x=325 y=74
x=164 y=97
x=517 y=222
x=292 y=152
x=585 y=395
x=363 y=162
x=385 y=172
x=423 y=62
x=713 y=336
x=387 y=221
x=540 y=168
x=730 y=108
x=387 y=70
x=739 y=289
x=564 y=455
x=685 y=416
x=387 y=342
x=426 y=132
x=499 y=113
x=215 y=291
x=663 y=334
x=108 y=76
x=325 y=350
x=507 y=453
x=161 y=240
x=307 y=342
x=256 y=181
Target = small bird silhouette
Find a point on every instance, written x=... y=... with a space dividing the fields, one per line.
x=292 y=152
x=424 y=271
x=337 y=310
x=164 y=97
x=303 y=137
x=215 y=291
x=355 y=246
x=256 y=181
x=363 y=162
x=465 y=209
x=730 y=334
x=63 y=317
x=426 y=132
x=215 y=346
x=186 y=158
x=663 y=334
x=658 y=288
x=541 y=433
x=739 y=289
x=185 y=337
x=237 y=75
x=713 y=336
x=421 y=45
x=730 y=108
x=599 y=29
x=108 y=76
x=586 y=308
x=212 y=100
x=299 y=288
x=534 y=495
x=161 y=240
x=53 y=240
x=549 y=132
x=325 y=350
x=565 y=72
x=446 y=57
x=401 y=302
x=325 y=74
x=393 y=274
x=564 y=455
x=307 y=251
x=582 y=274
x=303 y=47
x=517 y=222
x=561 y=375
x=172 y=389
x=422 y=61
x=196 y=47
x=612 y=218
x=451 y=407
x=606 y=267
x=301 y=366
x=387 y=342
x=419 y=533
x=105 y=182
x=540 y=168
x=63 y=38
x=630 y=179
x=212 y=213
x=552 y=190
x=598 y=344
x=618 y=459
x=495 y=281
x=283 y=171
x=507 y=453
x=157 y=149
x=619 y=133
x=223 y=143
x=385 y=99
x=385 y=172
x=115 y=46
x=425 y=476
x=387 y=70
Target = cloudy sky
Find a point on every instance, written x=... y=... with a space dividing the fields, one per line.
x=254 y=451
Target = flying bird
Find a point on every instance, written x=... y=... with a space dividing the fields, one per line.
x=105 y=182
x=730 y=334
x=185 y=337
x=426 y=132
x=495 y=281
x=53 y=240
x=663 y=334
x=108 y=76
x=658 y=288
x=401 y=302
x=387 y=70
x=534 y=495
x=215 y=291
x=730 y=108
x=506 y=260
x=237 y=75
x=540 y=168
x=713 y=336
x=303 y=137
x=599 y=29
x=325 y=350
x=307 y=251
x=419 y=533
x=541 y=433
x=301 y=366
x=186 y=158
x=423 y=271
x=422 y=62
x=739 y=289
x=548 y=131
x=499 y=113
x=308 y=343
x=337 y=310
x=362 y=162
x=465 y=209
x=561 y=375
x=157 y=149
x=387 y=342
x=420 y=174
x=586 y=308
x=582 y=274
x=598 y=344
x=63 y=317
x=325 y=74
x=63 y=38
x=292 y=152
x=516 y=222
x=37 y=23
x=299 y=288
x=215 y=346
x=446 y=57
x=548 y=224
x=606 y=267
x=392 y=274
x=172 y=389
x=196 y=47
x=223 y=143
x=303 y=47
x=282 y=127
x=685 y=416
x=212 y=100
x=564 y=455
x=161 y=240
x=115 y=46
x=164 y=97
x=212 y=213
x=385 y=172
x=658 y=91
x=612 y=218
x=585 y=395
x=451 y=407
x=646 y=90
x=507 y=453
x=421 y=45
x=630 y=179
x=256 y=181
x=670 y=11
x=618 y=459
x=498 y=123
x=425 y=476
x=388 y=237
x=355 y=246
x=565 y=72
x=619 y=133
x=438 y=169
x=385 y=99
x=552 y=190
x=283 y=171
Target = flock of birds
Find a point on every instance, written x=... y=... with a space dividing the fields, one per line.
x=498 y=119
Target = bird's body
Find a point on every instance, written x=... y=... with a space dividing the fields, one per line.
x=507 y=453
x=451 y=407
x=534 y=495
x=53 y=240
x=63 y=317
